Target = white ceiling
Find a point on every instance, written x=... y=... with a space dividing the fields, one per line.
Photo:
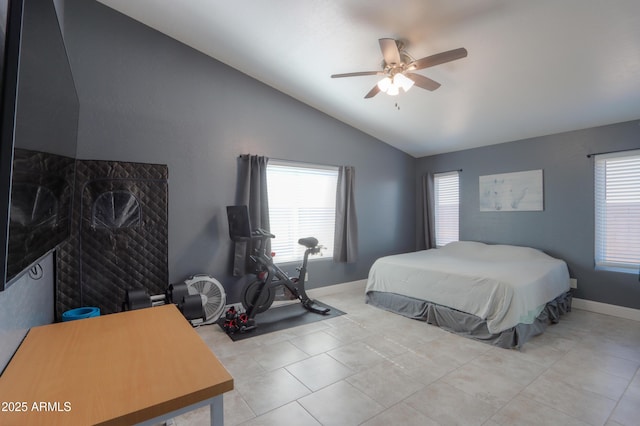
x=535 y=67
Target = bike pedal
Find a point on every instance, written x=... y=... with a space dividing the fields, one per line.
x=247 y=328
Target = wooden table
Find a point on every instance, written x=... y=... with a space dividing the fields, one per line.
x=142 y=366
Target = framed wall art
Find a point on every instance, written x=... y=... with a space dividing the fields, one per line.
x=519 y=191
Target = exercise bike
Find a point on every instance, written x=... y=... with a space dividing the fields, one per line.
x=259 y=293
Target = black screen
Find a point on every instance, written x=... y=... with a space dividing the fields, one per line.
x=44 y=145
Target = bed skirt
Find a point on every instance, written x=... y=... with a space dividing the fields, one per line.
x=468 y=325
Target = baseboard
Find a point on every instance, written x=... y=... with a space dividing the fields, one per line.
x=605 y=308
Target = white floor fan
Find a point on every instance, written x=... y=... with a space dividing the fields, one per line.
x=212 y=294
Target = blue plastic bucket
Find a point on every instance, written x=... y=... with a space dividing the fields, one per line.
x=80 y=313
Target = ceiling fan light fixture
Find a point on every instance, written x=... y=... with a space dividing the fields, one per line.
x=392 y=85
x=384 y=84
x=393 y=90
x=403 y=81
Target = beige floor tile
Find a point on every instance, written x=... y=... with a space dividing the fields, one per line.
x=273 y=338
x=236 y=409
x=357 y=356
x=271 y=357
x=340 y=404
x=351 y=332
x=291 y=414
x=634 y=387
x=400 y=414
x=627 y=412
x=270 y=390
x=567 y=329
x=448 y=406
x=528 y=412
x=509 y=363
x=625 y=349
x=583 y=358
x=424 y=368
x=385 y=346
x=385 y=383
x=228 y=347
x=583 y=405
x=319 y=371
x=309 y=328
x=590 y=380
x=316 y=343
x=413 y=332
x=541 y=353
x=485 y=385
x=457 y=348
x=562 y=343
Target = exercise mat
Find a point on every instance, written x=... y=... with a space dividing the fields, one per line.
x=282 y=318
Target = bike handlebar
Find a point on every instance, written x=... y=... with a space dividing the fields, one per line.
x=261 y=232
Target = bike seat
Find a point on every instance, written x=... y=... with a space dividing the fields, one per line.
x=308 y=242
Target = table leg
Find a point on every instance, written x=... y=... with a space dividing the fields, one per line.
x=217 y=411
x=215 y=406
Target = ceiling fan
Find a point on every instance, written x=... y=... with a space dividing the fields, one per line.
x=398 y=67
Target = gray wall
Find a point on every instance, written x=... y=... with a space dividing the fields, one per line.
x=565 y=229
x=147 y=98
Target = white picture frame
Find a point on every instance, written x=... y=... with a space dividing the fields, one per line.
x=518 y=191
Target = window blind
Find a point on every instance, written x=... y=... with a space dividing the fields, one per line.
x=617 y=211
x=447 y=206
x=302 y=203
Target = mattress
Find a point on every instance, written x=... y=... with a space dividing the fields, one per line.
x=501 y=284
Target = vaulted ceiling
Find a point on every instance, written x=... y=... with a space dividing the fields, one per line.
x=533 y=67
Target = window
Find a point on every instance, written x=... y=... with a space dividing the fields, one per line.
x=447 y=205
x=617 y=211
x=302 y=203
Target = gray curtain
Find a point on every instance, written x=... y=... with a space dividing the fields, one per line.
x=345 y=245
x=251 y=192
x=252 y=189
x=428 y=212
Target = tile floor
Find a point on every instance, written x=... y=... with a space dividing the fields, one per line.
x=371 y=367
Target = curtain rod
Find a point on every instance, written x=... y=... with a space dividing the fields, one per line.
x=448 y=171
x=610 y=152
x=296 y=161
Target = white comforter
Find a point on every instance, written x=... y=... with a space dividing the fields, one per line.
x=504 y=285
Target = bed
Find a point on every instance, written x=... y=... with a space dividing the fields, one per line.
x=499 y=294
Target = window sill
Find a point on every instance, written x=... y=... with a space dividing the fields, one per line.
x=619 y=269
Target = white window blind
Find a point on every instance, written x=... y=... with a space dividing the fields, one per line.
x=302 y=203
x=617 y=211
x=447 y=207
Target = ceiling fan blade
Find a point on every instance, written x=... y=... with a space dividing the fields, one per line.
x=390 y=52
x=372 y=92
x=439 y=58
x=423 y=82
x=357 y=74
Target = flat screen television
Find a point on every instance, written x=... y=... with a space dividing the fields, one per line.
x=38 y=137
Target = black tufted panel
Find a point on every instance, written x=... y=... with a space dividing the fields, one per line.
x=118 y=238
